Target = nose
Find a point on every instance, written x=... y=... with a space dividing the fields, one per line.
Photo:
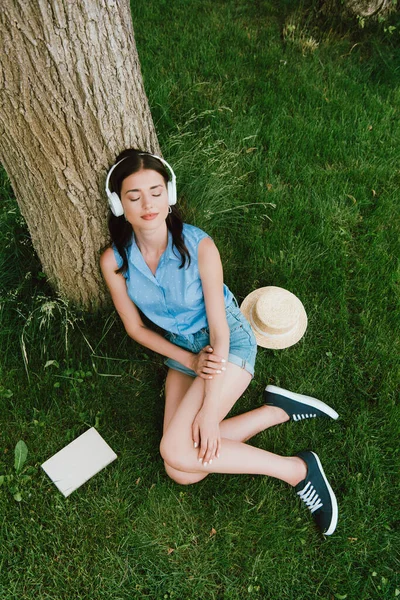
x=147 y=200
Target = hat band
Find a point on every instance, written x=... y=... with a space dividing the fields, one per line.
x=269 y=335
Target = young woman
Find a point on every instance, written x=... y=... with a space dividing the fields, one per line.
x=172 y=273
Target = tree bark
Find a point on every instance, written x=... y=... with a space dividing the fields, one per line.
x=71 y=98
x=359 y=8
x=367 y=8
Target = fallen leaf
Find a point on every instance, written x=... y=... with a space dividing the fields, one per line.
x=138 y=481
x=212 y=532
x=170 y=551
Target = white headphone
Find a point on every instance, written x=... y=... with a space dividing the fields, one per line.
x=114 y=200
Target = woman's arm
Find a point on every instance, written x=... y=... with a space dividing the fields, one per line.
x=212 y=280
x=137 y=330
x=206 y=425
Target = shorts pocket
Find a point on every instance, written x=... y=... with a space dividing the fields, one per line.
x=240 y=327
x=236 y=320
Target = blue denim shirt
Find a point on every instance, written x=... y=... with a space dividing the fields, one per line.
x=173 y=297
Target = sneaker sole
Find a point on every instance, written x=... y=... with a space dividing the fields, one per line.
x=304 y=400
x=332 y=496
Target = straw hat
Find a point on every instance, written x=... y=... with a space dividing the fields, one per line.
x=277 y=317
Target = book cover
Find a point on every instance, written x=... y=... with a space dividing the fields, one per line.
x=79 y=461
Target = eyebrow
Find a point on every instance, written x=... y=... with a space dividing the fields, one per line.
x=153 y=187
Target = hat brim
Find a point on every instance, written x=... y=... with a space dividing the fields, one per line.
x=275 y=342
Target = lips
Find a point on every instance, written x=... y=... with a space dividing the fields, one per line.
x=150 y=216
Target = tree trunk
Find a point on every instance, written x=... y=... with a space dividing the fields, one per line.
x=71 y=98
x=359 y=8
x=368 y=8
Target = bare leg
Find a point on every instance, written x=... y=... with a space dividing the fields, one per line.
x=243 y=427
x=176 y=386
x=239 y=428
x=236 y=457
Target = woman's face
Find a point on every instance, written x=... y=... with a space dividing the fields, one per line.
x=144 y=198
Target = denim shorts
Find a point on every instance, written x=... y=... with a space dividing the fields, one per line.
x=242 y=343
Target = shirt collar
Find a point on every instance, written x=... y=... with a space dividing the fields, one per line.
x=170 y=253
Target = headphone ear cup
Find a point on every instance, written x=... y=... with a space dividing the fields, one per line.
x=171 y=188
x=115 y=204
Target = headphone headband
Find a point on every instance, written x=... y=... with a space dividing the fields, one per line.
x=115 y=201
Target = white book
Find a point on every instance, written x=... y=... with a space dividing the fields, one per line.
x=79 y=461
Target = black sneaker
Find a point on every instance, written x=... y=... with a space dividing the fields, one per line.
x=316 y=492
x=297 y=406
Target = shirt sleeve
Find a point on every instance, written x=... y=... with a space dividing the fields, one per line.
x=194 y=234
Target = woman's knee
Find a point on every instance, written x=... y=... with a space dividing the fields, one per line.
x=167 y=451
x=175 y=456
x=182 y=477
x=171 y=451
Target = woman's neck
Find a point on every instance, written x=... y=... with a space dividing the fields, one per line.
x=152 y=243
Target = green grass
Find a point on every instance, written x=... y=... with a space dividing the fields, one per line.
x=289 y=159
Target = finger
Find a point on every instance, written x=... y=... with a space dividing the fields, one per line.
x=200 y=371
x=202 y=450
x=195 y=435
x=216 y=358
x=209 y=454
x=214 y=365
x=211 y=370
x=213 y=452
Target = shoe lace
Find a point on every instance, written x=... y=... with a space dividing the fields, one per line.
x=311 y=498
x=299 y=417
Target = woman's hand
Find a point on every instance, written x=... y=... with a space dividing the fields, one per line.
x=206 y=435
x=206 y=364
